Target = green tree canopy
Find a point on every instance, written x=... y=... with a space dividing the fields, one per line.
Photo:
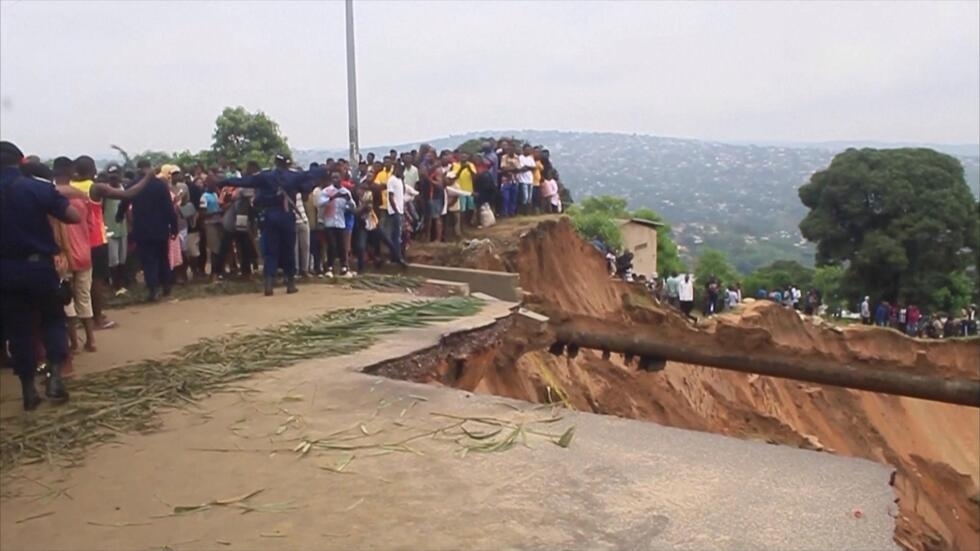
x=598 y=226
x=901 y=222
x=713 y=263
x=155 y=158
x=595 y=218
x=827 y=280
x=779 y=275
x=240 y=136
x=607 y=205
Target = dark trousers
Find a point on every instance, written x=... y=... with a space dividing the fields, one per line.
x=364 y=239
x=279 y=242
x=396 y=224
x=508 y=193
x=318 y=245
x=156 y=263
x=246 y=251
x=336 y=247
x=247 y=255
x=28 y=290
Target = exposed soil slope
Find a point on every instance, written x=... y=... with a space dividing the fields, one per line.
x=934 y=447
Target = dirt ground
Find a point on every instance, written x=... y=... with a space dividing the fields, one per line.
x=152 y=331
x=935 y=447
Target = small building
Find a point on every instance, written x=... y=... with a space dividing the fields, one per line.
x=640 y=237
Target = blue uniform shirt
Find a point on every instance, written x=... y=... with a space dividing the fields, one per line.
x=268 y=182
x=26 y=204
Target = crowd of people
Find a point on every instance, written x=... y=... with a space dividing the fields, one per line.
x=73 y=234
x=910 y=320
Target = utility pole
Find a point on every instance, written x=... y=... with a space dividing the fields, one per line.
x=352 y=93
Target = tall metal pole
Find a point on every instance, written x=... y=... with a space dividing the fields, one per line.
x=352 y=92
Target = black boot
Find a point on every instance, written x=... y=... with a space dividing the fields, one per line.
x=269 y=282
x=291 y=285
x=29 y=392
x=152 y=296
x=54 y=387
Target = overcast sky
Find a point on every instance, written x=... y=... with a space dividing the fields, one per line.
x=76 y=76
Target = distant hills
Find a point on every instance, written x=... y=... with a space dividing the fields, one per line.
x=739 y=198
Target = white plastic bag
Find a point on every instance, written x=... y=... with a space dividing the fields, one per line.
x=487 y=218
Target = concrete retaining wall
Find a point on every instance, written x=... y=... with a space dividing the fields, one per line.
x=501 y=285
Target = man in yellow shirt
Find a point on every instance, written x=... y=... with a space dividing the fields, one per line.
x=463 y=172
x=381 y=174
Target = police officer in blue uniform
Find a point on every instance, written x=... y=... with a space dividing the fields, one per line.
x=29 y=284
x=275 y=200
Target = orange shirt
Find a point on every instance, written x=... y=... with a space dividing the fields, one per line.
x=94 y=217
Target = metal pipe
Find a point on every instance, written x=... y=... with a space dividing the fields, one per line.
x=964 y=392
x=354 y=152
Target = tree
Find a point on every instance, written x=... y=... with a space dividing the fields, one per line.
x=827 y=279
x=240 y=136
x=607 y=205
x=475 y=145
x=901 y=223
x=598 y=226
x=595 y=218
x=668 y=257
x=779 y=275
x=712 y=263
x=156 y=158
x=186 y=160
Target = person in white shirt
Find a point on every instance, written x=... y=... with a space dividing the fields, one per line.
x=411 y=177
x=411 y=180
x=396 y=211
x=685 y=295
x=333 y=204
x=525 y=178
x=733 y=299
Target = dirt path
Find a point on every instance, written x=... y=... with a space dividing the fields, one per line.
x=155 y=330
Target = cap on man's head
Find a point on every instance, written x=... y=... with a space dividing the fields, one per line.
x=282 y=157
x=10 y=154
x=167 y=171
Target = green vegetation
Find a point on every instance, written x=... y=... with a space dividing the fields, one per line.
x=239 y=137
x=778 y=275
x=713 y=263
x=595 y=218
x=901 y=224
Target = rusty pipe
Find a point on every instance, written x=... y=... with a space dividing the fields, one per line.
x=964 y=392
